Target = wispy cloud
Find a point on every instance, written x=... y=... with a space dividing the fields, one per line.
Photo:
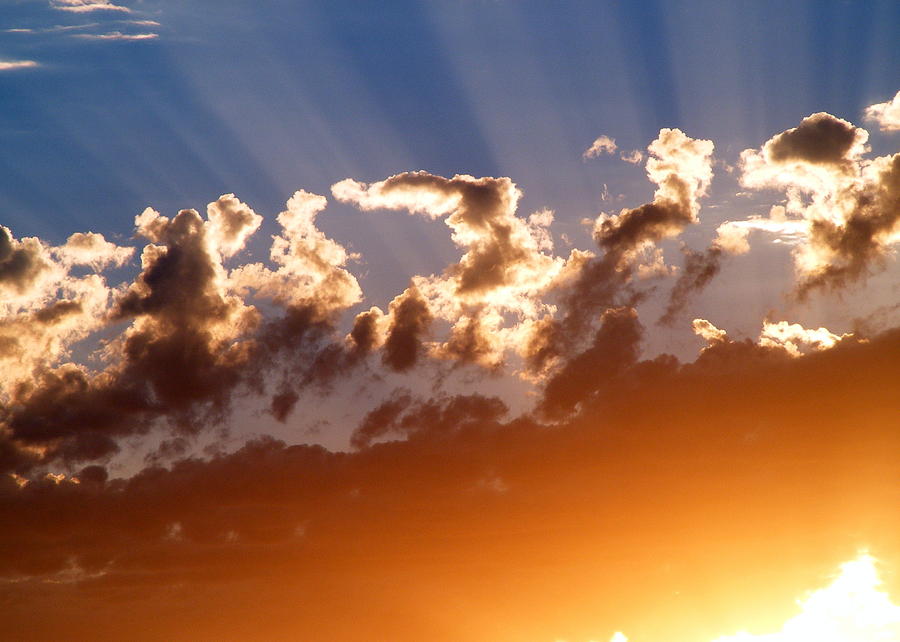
x=54 y=29
x=602 y=145
x=86 y=6
x=11 y=65
x=116 y=35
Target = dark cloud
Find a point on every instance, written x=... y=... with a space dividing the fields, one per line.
x=470 y=342
x=615 y=346
x=54 y=312
x=857 y=245
x=402 y=416
x=20 y=262
x=649 y=222
x=190 y=347
x=820 y=138
x=699 y=269
x=747 y=447
x=410 y=319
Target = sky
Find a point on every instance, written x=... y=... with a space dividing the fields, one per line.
x=474 y=320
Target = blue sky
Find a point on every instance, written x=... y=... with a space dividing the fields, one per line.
x=263 y=98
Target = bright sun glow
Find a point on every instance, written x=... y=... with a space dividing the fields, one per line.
x=850 y=609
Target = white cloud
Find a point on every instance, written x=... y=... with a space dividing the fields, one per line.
x=634 y=157
x=886 y=114
x=11 y=65
x=602 y=145
x=116 y=35
x=86 y=6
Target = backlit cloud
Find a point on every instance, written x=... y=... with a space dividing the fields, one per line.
x=886 y=114
x=681 y=167
x=841 y=210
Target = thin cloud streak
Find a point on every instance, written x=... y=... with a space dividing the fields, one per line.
x=116 y=35
x=12 y=65
x=87 y=6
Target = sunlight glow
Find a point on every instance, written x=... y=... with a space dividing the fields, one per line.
x=850 y=609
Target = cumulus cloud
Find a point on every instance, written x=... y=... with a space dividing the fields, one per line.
x=505 y=268
x=601 y=145
x=791 y=338
x=681 y=167
x=310 y=266
x=842 y=208
x=94 y=250
x=191 y=339
x=795 y=339
x=409 y=318
x=708 y=331
x=886 y=114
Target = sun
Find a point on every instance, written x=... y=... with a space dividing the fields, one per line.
x=850 y=609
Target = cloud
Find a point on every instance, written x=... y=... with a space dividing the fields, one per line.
x=886 y=114
x=602 y=145
x=658 y=452
x=820 y=139
x=191 y=341
x=116 y=35
x=402 y=416
x=87 y=6
x=699 y=269
x=793 y=337
x=409 y=320
x=55 y=28
x=616 y=345
x=13 y=65
x=681 y=167
x=504 y=270
x=634 y=157
x=842 y=208
x=310 y=266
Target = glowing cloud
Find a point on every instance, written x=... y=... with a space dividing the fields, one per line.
x=850 y=609
x=505 y=267
x=841 y=210
x=681 y=167
x=886 y=114
x=793 y=337
x=12 y=65
x=634 y=157
x=117 y=35
x=87 y=6
x=602 y=145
